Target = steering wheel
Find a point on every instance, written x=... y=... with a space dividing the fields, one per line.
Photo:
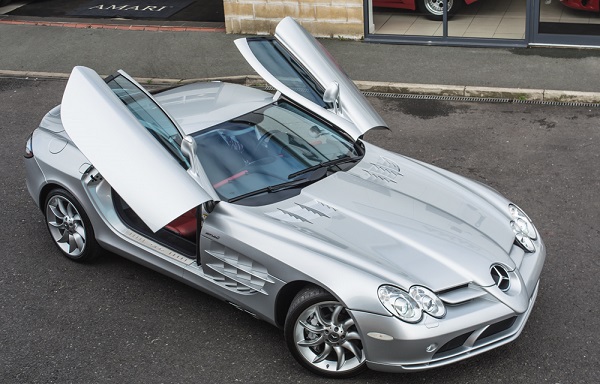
x=265 y=139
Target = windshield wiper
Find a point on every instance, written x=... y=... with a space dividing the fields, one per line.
x=315 y=176
x=325 y=165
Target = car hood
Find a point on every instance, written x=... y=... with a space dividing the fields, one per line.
x=402 y=221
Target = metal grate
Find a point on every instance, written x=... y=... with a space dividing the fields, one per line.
x=478 y=99
x=468 y=99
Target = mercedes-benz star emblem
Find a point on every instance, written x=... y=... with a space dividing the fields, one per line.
x=501 y=278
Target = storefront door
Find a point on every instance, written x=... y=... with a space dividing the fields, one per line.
x=566 y=22
x=451 y=22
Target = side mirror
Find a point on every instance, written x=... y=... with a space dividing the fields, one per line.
x=332 y=95
x=189 y=148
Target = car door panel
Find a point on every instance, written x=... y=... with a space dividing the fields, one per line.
x=298 y=66
x=135 y=164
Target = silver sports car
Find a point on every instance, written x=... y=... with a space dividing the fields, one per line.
x=275 y=204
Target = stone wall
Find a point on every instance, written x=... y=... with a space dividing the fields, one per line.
x=322 y=18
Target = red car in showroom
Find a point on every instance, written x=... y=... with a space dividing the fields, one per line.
x=434 y=9
x=584 y=5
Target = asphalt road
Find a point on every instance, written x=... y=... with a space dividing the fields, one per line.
x=190 y=55
x=115 y=321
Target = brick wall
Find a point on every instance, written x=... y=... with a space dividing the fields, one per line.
x=322 y=18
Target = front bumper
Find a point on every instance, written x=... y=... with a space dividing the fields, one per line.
x=407 y=351
x=468 y=329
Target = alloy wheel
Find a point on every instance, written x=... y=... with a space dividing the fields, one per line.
x=327 y=338
x=66 y=225
x=436 y=7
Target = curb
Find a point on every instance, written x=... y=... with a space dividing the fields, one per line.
x=547 y=95
x=122 y=27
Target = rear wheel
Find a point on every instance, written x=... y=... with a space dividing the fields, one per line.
x=322 y=336
x=434 y=9
x=69 y=226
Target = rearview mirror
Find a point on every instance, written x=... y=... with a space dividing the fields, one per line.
x=332 y=95
x=189 y=148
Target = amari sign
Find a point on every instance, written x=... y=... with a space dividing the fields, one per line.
x=134 y=9
x=127 y=7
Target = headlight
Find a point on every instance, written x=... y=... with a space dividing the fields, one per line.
x=523 y=228
x=399 y=303
x=410 y=306
x=428 y=301
x=29 y=147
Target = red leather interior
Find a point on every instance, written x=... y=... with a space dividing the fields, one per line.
x=184 y=225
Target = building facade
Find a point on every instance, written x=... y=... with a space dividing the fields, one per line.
x=443 y=22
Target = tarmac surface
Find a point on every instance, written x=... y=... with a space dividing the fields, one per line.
x=173 y=54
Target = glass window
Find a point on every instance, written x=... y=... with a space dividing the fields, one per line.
x=149 y=115
x=265 y=147
x=570 y=17
x=497 y=19
x=286 y=69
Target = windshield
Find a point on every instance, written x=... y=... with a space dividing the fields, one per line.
x=263 y=148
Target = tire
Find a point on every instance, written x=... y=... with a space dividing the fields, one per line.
x=322 y=336
x=434 y=9
x=69 y=226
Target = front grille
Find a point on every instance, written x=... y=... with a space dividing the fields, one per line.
x=454 y=343
x=492 y=330
x=497 y=327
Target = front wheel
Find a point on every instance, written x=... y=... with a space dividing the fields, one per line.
x=69 y=226
x=322 y=336
x=434 y=9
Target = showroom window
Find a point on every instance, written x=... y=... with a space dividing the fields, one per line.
x=480 y=22
x=484 y=22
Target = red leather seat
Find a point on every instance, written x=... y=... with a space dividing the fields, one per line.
x=185 y=225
